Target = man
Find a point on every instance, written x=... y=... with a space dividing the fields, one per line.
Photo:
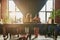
x=36 y=19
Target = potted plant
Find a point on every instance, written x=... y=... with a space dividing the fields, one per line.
x=55 y=15
x=51 y=18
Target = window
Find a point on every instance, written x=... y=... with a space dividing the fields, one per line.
x=45 y=12
x=49 y=5
x=15 y=15
x=42 y=17
x=48 y=15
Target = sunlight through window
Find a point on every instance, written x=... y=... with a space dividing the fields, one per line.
x=11 y=6
x=45 y=12
x=14 y=13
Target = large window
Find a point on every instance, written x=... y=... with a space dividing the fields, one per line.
x=45 y=12
x=15 y=15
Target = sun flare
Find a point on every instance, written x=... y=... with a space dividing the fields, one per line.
x=14 y=13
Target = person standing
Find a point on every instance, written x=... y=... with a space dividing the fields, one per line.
x=36 y=19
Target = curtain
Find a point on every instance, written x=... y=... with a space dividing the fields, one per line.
x=30 y=6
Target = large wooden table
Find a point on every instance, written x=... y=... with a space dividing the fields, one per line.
x=14 y=29
x=20 y=28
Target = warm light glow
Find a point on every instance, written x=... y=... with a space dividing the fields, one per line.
x=11 y=6
x=14 y=13
x=18 y=15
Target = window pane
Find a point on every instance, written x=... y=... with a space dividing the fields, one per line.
x=50 y=0
x=19 y=17
x=10 y=0
x=17 y=9
x=11 y=6
x=12 y=15
x=42 y=17
x=48 y=15
x=49 y=5
x=43 y=9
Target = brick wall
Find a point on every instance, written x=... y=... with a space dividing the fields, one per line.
x=57 y=4
x=4 y=8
